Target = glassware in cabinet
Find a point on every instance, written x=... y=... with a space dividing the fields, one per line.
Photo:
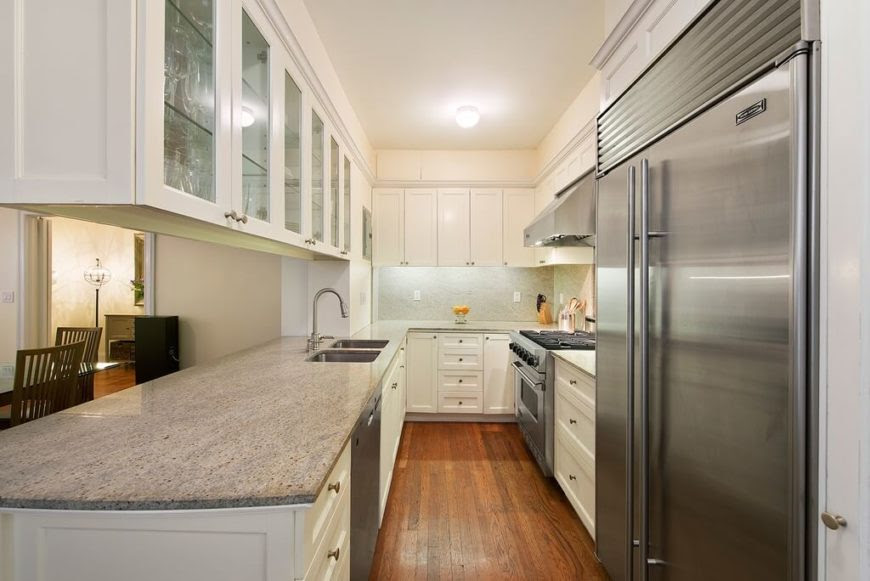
x=255 y=121
x=346 y=205
x=292 y=155
x=334 y=164
x=189 y=97
x=317 y=175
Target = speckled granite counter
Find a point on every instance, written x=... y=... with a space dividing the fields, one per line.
x=261 y=427
x=582 y=360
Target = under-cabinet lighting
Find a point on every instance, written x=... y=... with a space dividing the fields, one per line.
x=247 y=117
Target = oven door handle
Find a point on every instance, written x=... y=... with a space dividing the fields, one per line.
x=519 y=369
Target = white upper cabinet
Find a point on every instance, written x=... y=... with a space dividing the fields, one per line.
x=388 y=227
x=420 y=229
x=453 y=227
x=644 y=31
x=194 y=107
x=486 y=227
x=518 y=210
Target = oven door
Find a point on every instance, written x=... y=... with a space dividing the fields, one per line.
x=530 y=403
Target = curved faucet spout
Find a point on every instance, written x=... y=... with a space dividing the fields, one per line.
x=315 y=339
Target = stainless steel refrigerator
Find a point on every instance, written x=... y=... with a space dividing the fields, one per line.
x=702 y=260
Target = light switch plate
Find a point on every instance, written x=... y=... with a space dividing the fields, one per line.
x=7 y=296
x=517 y=296
x=416 y=295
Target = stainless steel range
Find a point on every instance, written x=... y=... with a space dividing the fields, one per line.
x=534 y=376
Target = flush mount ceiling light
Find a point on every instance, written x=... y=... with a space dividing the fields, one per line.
x=467 y=116
x=247 y=117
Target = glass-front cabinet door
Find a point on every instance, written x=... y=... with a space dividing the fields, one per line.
x=318 y=214
x=184 y=137
x=334 y=201
x=254 y=116
x=293 y=201
x=346 y=208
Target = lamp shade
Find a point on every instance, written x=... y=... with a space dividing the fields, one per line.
x=98 y=275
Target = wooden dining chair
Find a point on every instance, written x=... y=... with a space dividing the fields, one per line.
x=91 y=337
x=46 y=381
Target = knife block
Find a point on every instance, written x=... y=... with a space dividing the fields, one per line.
x=544 y=316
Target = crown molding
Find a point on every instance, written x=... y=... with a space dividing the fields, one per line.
x=622 y=29
x=309 y=74
x=410 y=184
x=566 y=150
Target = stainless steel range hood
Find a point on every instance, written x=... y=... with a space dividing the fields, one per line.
x=569 y=220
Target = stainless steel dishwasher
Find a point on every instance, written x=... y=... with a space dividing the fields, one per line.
x=365 y=465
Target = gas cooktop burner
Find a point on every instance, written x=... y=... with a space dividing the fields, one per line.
x=553 y=340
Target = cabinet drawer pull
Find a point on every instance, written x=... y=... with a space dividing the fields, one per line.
x=572 y=477
x=460 y=359
x=395 y=385
x=334 y=554
x=572 y=421
x=460 y=381
x=336 y=487
x=460 y=403
x=572 y=381
x=460 y=340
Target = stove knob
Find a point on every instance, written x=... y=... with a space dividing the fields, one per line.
x=533 y=361
x=512 y=347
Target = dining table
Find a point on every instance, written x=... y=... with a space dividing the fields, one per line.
x=85 y=369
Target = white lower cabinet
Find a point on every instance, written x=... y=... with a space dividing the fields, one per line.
x=575 y=440
x=422 y=373
x=498 y=379
x=392 y=419
x=459 y=373
x=275 y=543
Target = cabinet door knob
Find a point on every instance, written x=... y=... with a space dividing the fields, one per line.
x=472 y=263
x=231 y=214
x=395 y=385
x=460 y=381
x=460 y=340
x=833 y=521
x=505 y=263
x=460 y=359
x=334 y=554
x=572 y=421
x=572 y=381
x=460 y=403
x=334 y=487
x=572 y=477
x=243 y=219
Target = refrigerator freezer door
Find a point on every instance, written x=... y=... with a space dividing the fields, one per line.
x=725 y=381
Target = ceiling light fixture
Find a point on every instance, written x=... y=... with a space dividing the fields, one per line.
x=467 y=116
x=247 y=117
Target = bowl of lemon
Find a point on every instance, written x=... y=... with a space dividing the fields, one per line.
x=460 y=312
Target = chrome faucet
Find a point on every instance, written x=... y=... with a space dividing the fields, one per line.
x=316 y=338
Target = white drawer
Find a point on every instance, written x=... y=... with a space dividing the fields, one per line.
x=335 y=491
x=570 y=379
x=328 y=561
x=461 y=381
x=577 y=479
x=460 y=403
x=458 y=360
x=461 y=341
x=577 y=419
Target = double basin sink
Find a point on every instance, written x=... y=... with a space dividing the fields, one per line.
x=350 y=351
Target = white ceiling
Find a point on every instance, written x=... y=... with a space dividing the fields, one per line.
x=406 y=66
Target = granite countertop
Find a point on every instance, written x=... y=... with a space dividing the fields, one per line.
x=582 y=360
x=261 y=427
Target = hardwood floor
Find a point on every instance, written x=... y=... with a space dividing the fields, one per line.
x=469 y=502
x=112 y=380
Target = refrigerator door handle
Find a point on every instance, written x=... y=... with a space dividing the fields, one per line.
x=629 y=413
x=644 y=369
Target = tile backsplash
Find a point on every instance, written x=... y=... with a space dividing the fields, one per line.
x=489 y=291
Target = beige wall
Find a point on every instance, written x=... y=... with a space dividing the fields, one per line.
x=227 y=299
x=578 y=115
x=8 y=282
x=75 y=245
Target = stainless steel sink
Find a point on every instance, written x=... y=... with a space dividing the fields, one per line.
x=344 y=356
x=359 y=344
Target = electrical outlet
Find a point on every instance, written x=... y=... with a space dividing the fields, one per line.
x=416 y=295
x=517 y=296
x=7 y=296
x=561 y=298
x=7 y=371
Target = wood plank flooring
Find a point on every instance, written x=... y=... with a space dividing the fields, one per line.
x=469 y=502
x=112 y=380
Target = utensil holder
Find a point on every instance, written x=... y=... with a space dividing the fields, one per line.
x=567 y=322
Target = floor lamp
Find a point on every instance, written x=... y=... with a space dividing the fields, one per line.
x=98 y=275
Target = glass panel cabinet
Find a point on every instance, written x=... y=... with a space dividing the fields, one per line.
x=334 y=164
x=346 y=246
x=189 y=98
x=317 y=175
x=292 y=155
x=255 y=121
